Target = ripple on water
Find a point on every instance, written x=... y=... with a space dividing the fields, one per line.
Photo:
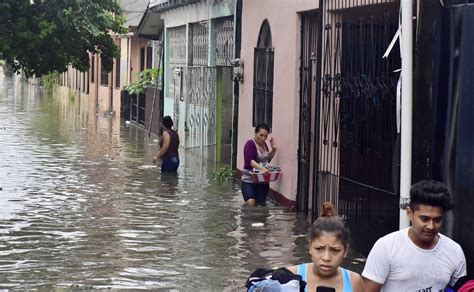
x=83 y=207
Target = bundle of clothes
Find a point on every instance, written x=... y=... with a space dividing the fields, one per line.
x=283 y=280
x=277 y=280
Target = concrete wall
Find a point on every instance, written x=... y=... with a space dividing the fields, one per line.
x=285 y=23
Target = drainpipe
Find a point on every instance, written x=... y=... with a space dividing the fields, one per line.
x=236 y=85
x=129 y=60
x=129 y=67
x=406 y=109
x=127 y=73
x=111 y=90
x=97 y=82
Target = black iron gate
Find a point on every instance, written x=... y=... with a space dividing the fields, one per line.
x=356 y=117
x=133 y=107
x=308 y=85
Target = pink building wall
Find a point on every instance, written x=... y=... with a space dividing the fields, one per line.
x=135 y=57
x=100 y=96
x=285 y=22
x=103 y=98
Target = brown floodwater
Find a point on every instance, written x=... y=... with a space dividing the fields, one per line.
x=81 y=205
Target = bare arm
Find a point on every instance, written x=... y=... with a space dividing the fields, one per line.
x=274 y=148
x=164 y=148
x=357 y=283
x=258 y=166
x=371 y=286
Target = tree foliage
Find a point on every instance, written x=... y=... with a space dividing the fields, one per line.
x=41 y=36
x=145 y=79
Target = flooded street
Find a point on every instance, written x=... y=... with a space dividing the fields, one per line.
x=81 y=205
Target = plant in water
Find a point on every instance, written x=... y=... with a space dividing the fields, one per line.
x=50 y=81
x=145 y=79
x=224 y=173
x=72 y=95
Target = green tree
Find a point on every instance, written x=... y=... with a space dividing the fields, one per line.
x=41 y=36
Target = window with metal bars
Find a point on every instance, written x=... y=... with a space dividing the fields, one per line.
x=87 y=82
x=263 y=77
x=104 y=75
x=149 y=57
x=117 y=72
x=199 y=50
x=92 y=69
x=84 y=81
x=142 y=59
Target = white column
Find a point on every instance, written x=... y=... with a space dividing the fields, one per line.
x=407 y=104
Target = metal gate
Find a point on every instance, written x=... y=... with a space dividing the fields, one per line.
x=177 y=60
x=308 y=86
x=356 y=116
x=224 y=41
x=201 y=106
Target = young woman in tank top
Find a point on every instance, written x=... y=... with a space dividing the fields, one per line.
x=328 y=245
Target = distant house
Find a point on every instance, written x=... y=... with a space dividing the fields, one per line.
x=105 y=89
x=198 y=40
x=317 y=77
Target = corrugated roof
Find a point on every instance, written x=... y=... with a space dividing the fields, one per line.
x=133 y=11
x=163 y=5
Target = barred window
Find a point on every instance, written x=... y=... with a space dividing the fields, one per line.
x=117 y=72
x=92 y=68
x=142 y=59
x=263 y=77
x=149 y=57
x=104 y=75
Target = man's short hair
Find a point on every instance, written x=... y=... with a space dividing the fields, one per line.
x=431 y=193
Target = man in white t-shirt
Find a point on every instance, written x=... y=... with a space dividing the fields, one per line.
x=418 y=258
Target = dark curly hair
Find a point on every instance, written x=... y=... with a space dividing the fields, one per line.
x=431 y=193
x=262 y=126
x=167 y=122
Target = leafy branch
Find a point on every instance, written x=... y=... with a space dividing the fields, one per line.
x=145 y=79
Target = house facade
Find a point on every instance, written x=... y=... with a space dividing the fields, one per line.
x=105 y=89
x=319 y=81
x=274 y=82
x=198 y=40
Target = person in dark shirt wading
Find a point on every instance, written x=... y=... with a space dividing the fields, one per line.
x=169 y=144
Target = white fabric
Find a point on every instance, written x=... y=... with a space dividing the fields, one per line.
x=400 y=265
x=291 y=286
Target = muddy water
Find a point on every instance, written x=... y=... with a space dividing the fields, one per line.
x=81 y=205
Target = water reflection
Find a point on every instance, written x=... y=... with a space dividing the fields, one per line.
x=83 y=206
